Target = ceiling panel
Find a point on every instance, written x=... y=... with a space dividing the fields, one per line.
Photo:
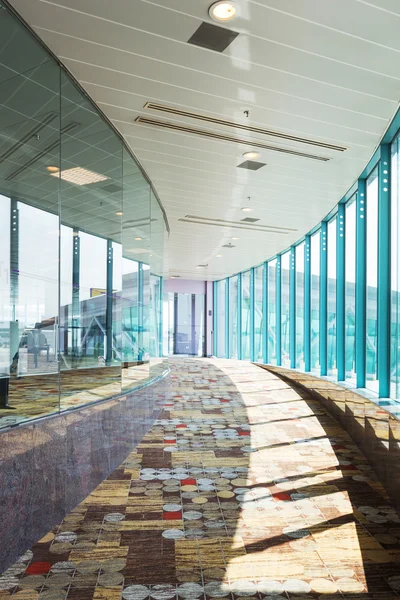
x=313 y=68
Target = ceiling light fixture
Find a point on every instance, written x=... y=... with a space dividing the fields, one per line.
x=138 y=239
x=223 y=11
x=218 y=256
x=119 y=213
x=251 y=155
x=247 y=208
x=80 y=176
x=52 y=169
x=235 y=238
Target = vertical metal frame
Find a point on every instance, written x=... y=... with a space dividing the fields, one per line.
x=340 y=291
x=323 y=300
x=278 y=318
x=161 y=318
x=227 y=344
x=75 y=321
x=193 y=325
x=239 y=316
x=384 y=272
x=307 y=303
x=361 y=284
x=252 y=308
x=13 y=268
x=215 y=318
x=109 y=302
x=175 y=323
x=141 y=311
x=265 y=313
x=292 y=307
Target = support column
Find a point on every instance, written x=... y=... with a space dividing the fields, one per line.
x=239 y=316
x=361 y=285
x=307 y=303
x=252 y=320
x=340 y=292
x=292 y=308
x=278 y=323
x=323 y=300
x=109 y=303
x=75 y=294
x=265 y=313
x=384 y=273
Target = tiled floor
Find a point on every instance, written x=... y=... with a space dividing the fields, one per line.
x=243 y=489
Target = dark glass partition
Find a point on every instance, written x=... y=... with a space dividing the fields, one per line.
x=81 y=242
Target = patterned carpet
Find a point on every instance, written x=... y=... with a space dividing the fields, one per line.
x=243 y=489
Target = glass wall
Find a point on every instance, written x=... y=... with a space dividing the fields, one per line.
x=314 y=300
x=350 y=290
x=82 y=243
x=332 y=370
x=371 y=272
x=372 y=280
x=258 y=313
x=363 y=273
x=246 y=315
x=300 y=306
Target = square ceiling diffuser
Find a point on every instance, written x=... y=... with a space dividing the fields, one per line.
x=213 y=37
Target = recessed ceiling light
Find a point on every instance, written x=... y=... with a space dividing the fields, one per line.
x=223 y=11
x=80 y=176
x=138 y=239
x=235 y=238
x=247 y=209
x=119 y=213
x=218 y=256
x=53 y=169
x=251 y=155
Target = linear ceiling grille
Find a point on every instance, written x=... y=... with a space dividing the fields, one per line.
x=225 y=138
x=278 y=229
x=242 y=227
x=251 y=128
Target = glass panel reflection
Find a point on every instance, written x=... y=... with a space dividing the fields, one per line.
x=75 y=243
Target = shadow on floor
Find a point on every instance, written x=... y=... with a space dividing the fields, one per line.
x=244 y=488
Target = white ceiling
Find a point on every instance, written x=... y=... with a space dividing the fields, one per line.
x=314 y=68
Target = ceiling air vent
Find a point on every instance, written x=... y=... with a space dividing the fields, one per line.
x=202 y=266
x=249 y=220
x=228 y=246
x=213 y=37
x=225 y=138
x=252 y=165
x=207 y=221
x=244 y=127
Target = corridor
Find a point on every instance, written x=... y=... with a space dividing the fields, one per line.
x=243 y=488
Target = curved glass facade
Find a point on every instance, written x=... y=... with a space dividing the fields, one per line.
x=331 y=301
x=81 y=242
